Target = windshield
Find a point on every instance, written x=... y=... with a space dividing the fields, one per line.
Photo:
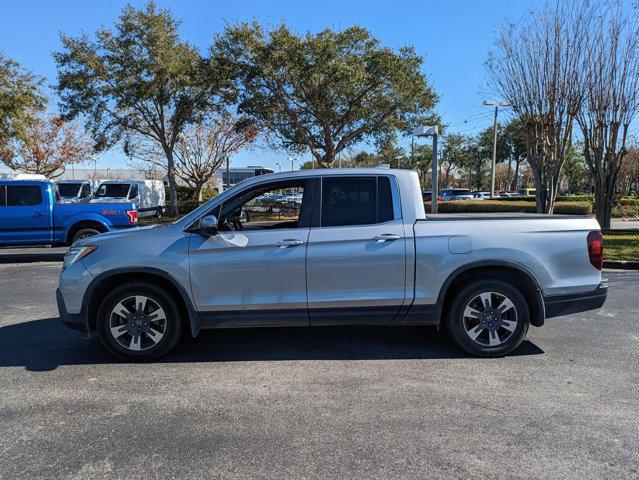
x=68 y=190
x=116 y=190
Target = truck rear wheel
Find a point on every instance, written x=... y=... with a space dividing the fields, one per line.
x=488 y=318
x=84 y=232
x=139 y=321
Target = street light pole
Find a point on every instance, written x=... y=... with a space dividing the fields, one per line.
x=435 y=190
x=431 y=131
x=494 y=162
x=292 y=160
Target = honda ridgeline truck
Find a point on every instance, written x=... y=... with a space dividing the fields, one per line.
x=358 y=249
x=30 y=214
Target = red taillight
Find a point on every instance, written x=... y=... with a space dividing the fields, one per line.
x=440 y=199
x=595 y=249
x=133 y=216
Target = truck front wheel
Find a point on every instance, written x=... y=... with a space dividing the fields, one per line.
x=139 y=321
x=488 y=318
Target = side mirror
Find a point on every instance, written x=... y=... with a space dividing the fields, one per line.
x=208 y=225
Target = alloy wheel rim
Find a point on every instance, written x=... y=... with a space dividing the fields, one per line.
x=137 y=323
x=490 y=319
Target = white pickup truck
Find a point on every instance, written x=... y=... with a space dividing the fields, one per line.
x=358 y=249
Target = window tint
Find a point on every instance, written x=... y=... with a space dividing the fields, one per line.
x=23 y=195
x=116 y=190
x=68 y=190
x=134 y=191
x=86 y=190
x=348 y=201
x=3 y=196
x=384 y=200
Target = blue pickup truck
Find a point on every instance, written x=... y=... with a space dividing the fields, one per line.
x=30 y=214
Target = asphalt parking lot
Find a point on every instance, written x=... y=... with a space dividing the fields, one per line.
x=317 y=403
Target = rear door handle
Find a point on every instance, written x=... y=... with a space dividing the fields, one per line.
x=289 y=242
x=386 y=237
x=39 y=214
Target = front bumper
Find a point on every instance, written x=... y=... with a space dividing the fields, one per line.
x=74 y=321
x=558 y=305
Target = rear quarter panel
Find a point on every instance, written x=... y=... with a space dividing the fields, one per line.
x=111 y=216
x=553 y=250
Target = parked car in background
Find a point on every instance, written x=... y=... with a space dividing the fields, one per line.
x=527 y=191
x=30 y=214
x=149 y=196
x=456 y=194
x=481 y=195
x=509 y=194
x=360 y=249
x=427 y=196
x=72 y=191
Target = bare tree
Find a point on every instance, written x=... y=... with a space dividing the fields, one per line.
x=611 y=82
x=536 y=67
x=202 y=149
x=49 y=145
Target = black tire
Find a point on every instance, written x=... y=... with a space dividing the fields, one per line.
x=460 y=327
x=171 y=329
x=84 y=232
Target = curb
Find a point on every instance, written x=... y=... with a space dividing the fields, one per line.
x=622 y=265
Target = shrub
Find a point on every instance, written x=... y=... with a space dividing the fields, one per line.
x=560 y=198
x=185 y=193
x=489 y=206
x=625 y=211
x=187 y=206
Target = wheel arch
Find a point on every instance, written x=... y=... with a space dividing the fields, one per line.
x=77 y=226
x=512 y=272
x=103 y=282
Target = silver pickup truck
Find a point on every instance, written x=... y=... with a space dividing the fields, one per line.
x=357 y=248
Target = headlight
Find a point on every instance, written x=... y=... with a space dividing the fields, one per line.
x=76 y=253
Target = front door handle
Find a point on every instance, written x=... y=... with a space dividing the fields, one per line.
x=289 y=242
x=39 y=214
x=386 y=237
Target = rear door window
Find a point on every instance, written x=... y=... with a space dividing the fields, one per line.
x=3 y=196
x=23 y=195
x=356 y=201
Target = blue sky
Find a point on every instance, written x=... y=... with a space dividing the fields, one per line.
x=454 y=38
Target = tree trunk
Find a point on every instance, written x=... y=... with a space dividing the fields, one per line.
x=170 y=163
x=478 y=177
x=515 y=181
x=604 y=192
x=197 y=192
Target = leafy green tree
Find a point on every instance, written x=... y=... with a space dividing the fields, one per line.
x=324 y=91
x=20 y=100
x=454 y=156
x=137 y=81
x=575 y=170
x=482 y=154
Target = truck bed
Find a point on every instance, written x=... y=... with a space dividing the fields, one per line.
x=496 y=216
x=553 y=248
